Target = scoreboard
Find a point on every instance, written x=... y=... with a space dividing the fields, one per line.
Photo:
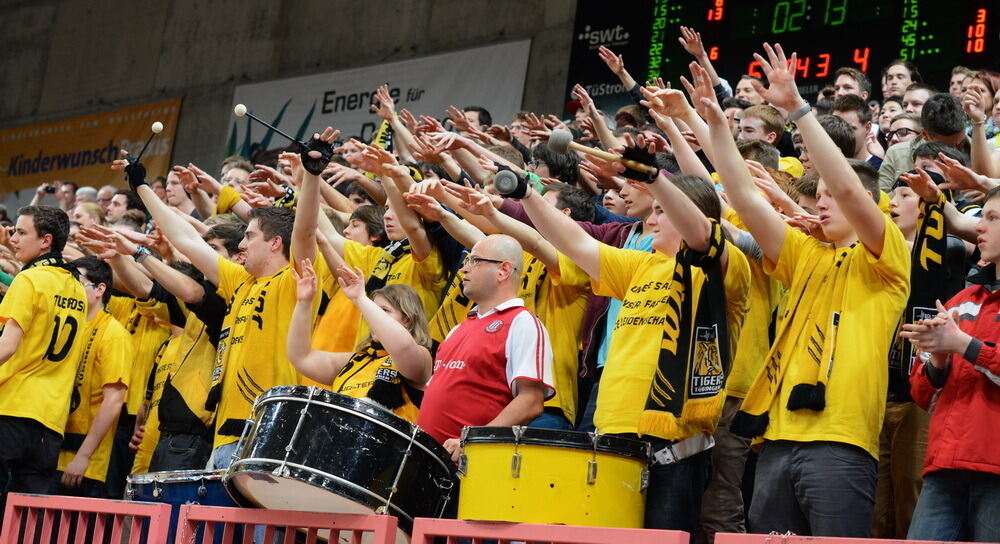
x=827 y=34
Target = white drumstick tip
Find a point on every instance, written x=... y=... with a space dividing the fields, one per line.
x=157 y=127
x=240 y=110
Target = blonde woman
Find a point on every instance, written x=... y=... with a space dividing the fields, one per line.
x=391 y=366
x=88 y=214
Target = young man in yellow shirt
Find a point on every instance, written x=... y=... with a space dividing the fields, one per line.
x=818 y=402
x=262 y=294
x=102 y=378
x=43 y=313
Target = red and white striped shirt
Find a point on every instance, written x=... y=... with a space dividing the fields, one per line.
x=478 y=365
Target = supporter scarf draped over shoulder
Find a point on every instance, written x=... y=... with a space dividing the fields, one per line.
x=927 y=284
x=380 y=274
x=688 y=386
x=51 y=258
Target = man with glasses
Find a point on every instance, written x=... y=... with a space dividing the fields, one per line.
x=105 y=195
x=495 y=368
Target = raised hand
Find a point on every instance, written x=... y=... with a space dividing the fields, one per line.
x=409 y=121
x=533 y=122
x=972 y=103
x=614 y=62
x=690 y=40
x=425 y=205
x=457 y=119
x=206 y=182
x=385 y=107
x=500 y=132
x=782 y=92
x=430 y=124
x=666 y=102
x=263 y=173
x=352 y=282
x=581 y=95
x=960 y=177
x=318 y=151
x=922 y=184
x=305 y=283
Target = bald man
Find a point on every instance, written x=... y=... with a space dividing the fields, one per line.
x=495 y=368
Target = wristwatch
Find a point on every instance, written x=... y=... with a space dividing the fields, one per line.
x=140 y=254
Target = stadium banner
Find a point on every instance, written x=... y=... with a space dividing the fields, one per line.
x=81 y=149
x=491 y=76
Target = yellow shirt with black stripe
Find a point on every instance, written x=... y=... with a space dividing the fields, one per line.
x=426 y=277
x=360 y=374
x=106 y=360
x=36 y=382
x=161 y=367
x=873 y=291
x=253 y=340
x=148 y=322
x=642 y=281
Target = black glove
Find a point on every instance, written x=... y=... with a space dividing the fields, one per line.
x=135 y=173
x=316 y=166
x=639 y=155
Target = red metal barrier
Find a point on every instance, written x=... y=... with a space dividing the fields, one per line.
x=425 y=530
x=313 y=526
x=52 y=519
x=775 y=538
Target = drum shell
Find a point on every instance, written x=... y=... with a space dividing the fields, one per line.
x=348 y=447
x=551 y=486
x=177 y=488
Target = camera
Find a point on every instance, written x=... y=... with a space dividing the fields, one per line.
x=50 y=189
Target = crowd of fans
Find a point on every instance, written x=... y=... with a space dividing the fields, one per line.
x=788 y=311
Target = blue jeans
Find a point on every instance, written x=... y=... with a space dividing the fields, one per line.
x=551 y=421
x=673 y=499
x=222 y=457
x=958 y=505
x=814 y=489
x=587 y=423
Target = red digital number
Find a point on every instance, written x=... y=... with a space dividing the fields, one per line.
x=823 y=66
x=802 y=66
x=861 y=57
x=976 y=33
x=715 y=13
x=754 y=70
x=713 y=53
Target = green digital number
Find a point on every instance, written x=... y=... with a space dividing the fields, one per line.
x=836 y=12
x=787 y=16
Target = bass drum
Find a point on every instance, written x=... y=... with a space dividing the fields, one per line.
x=532 y=475
x=314 y=450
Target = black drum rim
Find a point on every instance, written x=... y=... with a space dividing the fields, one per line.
x=530 y=436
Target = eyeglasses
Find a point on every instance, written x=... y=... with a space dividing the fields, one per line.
x=471 y=260
x=89 y=284
x=901 y=132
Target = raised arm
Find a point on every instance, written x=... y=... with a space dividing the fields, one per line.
x=529 y=238
x=687 y=159
x=764 y=223
x=183 y=236
x=857 y=204
x=411 y=359
x=563 y=233
x=321 y=366
x=430 y=209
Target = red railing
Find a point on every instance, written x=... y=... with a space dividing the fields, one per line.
x=65 y=520
x=775 y=538
x=313 y=526
x=426 y=530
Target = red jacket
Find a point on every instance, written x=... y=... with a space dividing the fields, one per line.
x=965 y=410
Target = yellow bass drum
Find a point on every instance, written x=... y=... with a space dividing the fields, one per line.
x=547 y=476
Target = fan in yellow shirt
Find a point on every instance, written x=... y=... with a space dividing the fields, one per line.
x=43 y=313
x=251 y=355
x=102 y=377
x=819 y=400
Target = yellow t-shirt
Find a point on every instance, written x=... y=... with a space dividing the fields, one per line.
x=253 y=340
x=642 y=282
x=425 y=277
x=755 y=341
x=36 y=382
x=874 y=293
x=148 y=321
x=359 y=375
x=106 y=360
x=161 y=367
x=560 y=305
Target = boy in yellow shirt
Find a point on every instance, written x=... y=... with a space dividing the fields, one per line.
x=43 y=314
x=102 y=378
x=818 y=402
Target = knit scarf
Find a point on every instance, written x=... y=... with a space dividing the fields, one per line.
x=688 y=387
x=387 y=388
x=51 y=258
x=380 y=273
x=927 y=275
x=812 y=319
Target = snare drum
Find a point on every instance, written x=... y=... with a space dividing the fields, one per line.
x=556 y=477
x=311 y=449
x=177 y=488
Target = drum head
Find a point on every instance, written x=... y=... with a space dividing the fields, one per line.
x=616 y=445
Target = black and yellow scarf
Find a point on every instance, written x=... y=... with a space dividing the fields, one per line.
x=380 y=273
x=688 y=387
x=51 y=258
x=928 y=273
